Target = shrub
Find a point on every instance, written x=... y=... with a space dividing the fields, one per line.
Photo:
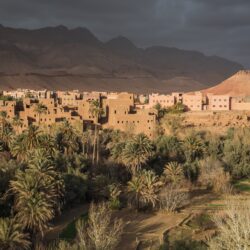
x=234 y=226
x=171 y=198
x=213 y=176
x=101 y=231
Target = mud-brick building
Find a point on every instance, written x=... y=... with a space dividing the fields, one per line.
x=194 y=101
x=219 y=102
x=164 y=100
x=121 y=114
x=9 y=107
x=68 y=98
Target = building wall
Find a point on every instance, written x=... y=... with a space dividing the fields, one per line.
x=219 y=102
x=164 y=100
x=68 y=98
x=140 y=121
x=193 y=102
x=242 y=104
x=8 y=107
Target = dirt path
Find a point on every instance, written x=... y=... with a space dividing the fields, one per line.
x=139 y=226
x=146 y=226
x=63 y=220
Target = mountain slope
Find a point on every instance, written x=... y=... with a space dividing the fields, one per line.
x=58 y=57
x=236 y=85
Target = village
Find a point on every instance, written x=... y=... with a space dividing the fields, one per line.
x=120 y=111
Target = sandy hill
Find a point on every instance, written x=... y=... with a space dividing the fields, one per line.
x=236 y=85
x=62 y=58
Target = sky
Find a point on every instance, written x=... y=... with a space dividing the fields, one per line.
x=214 y=27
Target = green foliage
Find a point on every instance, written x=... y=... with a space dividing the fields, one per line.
x=173 y=173
x=161 y=111
x=70 y=232
x=178 y=108
x=114 y=196
x=169 y=147
x=237 y=153
x=12 y=236
x=67 y=140
x=193 y=147
x=172 y=123
x=37 y=191
x=191 y=171
x=75 y=189
x=144 y=188
x=6 y=98
x=137 y=152
x=7 y=173
x=188 y=245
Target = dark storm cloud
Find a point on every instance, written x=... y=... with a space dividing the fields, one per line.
x=220 y=27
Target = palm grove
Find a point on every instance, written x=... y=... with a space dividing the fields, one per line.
x=47 y=171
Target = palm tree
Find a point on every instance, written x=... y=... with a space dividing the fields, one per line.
x=117 y=151
x=12 y=236
x=31 y=138
x=193 y=148
x=135 y=187
x=32 y=202
x=67 y=140
x=96 y=111
x=7 y=138
x=137 y=152
x=143 y=188
x=25 y=142
x=47 y=142
x=37 y=193
x=173 y=172
x=6 y=131
x=18 y=148
x=168 y=147
x=17 y=122
x=40 y=109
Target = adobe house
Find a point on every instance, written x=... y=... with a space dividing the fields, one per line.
x=219 y=102
x=122 y=115
x=240 y=103
x=193 y=102
x=9 y=107
x=165 y=101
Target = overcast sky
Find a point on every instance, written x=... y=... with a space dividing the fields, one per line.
x=215 y=27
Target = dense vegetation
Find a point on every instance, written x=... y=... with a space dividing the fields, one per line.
x=44 y=172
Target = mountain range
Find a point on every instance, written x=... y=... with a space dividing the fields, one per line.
x=62 y=58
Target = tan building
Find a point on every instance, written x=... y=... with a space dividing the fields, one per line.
x=8 y=107
x=219 y=102
x=164 y=100
x=68 y=98
x=240 y=103
x=133 y=121
x=193 y=102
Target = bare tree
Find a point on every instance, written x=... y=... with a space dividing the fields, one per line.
x=101 y=232
x=172 y=197
x=233 y=225
x=212 y=175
